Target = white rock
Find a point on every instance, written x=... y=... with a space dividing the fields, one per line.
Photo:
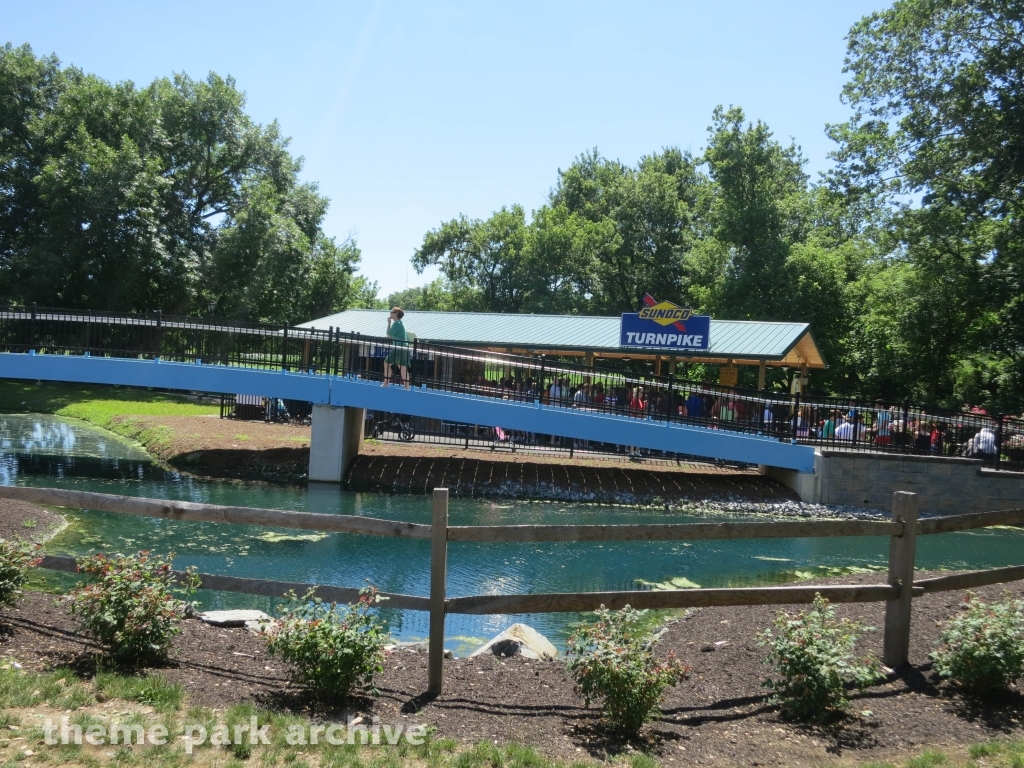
x=233 y=618
x=531 y=644
x=263 y=627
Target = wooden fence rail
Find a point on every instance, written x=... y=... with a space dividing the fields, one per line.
x=902 y=531
x=951 y=523
x=214 y=513
x=785 y=529
x=264 y=587
x=571 y=602
x=971 y=580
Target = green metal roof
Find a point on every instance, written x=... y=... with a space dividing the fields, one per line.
x=790 y=343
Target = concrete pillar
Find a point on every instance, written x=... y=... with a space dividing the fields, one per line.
x=337 y=437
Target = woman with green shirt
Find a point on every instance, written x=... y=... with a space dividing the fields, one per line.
x=399 y=352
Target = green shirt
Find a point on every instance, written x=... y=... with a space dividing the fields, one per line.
x=396 y=331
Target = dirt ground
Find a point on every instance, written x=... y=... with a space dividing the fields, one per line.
x=718 y=717
x=279 y=452
x=21 y=520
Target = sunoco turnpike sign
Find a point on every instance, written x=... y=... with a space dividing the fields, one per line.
x=664 y=325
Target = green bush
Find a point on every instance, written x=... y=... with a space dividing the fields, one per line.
x=129 y=606
x=16 y=558
x=983 y=648
x=813 y=656
x=332 y=647
x=612 y=660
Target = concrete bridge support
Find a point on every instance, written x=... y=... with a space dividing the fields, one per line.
x=337 y=437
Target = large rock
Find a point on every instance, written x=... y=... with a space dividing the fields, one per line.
x=233 y=618
x=519 y=639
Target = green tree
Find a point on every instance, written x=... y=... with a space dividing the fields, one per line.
x=761 y=209
x=937 y=93
x=435 y=296
x=166 y=197
x=642 y=225
x=777 y=248
x=488 y=259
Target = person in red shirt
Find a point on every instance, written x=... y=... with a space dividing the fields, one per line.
x=638 y=403
x=638 y=408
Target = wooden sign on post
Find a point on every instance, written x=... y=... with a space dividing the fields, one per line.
x=728 y=375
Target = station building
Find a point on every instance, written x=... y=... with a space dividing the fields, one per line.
x=732 y=343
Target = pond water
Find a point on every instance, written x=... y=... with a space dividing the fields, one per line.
x=49 y=451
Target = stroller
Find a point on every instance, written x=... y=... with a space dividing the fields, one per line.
x=501 y=436
x=274 y=410
x=395 y=424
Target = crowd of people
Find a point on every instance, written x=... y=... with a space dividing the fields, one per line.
x=854 y=424
x=707 y=405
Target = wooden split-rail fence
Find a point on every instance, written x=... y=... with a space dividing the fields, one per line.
x=902 y=529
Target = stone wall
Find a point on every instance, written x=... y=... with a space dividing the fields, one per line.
x=945 y=485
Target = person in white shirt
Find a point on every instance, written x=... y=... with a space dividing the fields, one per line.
x=983 y=443
x=883 y=425
x=845 y=430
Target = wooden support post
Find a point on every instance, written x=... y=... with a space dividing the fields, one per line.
x=896 y=643
x=761 y=365
x=438 y=570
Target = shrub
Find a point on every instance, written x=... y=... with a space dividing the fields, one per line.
x=16 y=558
x=813 y=655
x=612 y=660
x=129 y=604
x=332 y=647
x=983 y=648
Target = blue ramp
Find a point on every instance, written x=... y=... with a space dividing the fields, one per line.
x=319 y=388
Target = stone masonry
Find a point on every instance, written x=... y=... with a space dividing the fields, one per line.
x=946 y=486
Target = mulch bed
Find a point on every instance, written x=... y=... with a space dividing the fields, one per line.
x=29 y=522
x=718 y=717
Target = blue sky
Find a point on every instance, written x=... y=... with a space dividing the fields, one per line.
x=409 y=114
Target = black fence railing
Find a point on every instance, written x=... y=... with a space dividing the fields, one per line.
x=403 y=428
x=840 y=423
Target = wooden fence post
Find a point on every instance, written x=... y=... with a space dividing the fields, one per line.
x=896 y=643
x=438 y=571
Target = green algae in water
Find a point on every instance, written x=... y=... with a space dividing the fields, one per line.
x=679 y=582
x=276 y=538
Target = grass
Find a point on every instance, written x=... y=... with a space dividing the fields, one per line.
x=111 y=408
x=94 y=403
x=21 y=729
x=60 y=689
x=151 y=690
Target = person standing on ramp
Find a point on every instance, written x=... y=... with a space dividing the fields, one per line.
x=399 y=352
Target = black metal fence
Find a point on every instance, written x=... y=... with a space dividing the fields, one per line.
x=839 y=423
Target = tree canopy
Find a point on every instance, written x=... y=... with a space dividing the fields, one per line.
x=166 y=197
x=906 y=257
